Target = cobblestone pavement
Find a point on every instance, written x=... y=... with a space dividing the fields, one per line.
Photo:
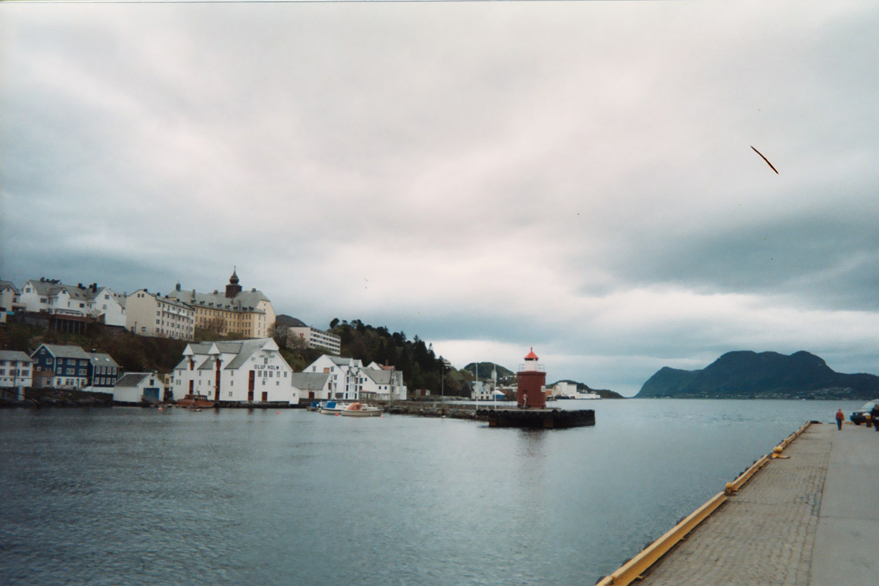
x=765 y=534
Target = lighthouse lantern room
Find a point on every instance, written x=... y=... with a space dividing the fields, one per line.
x=532 y=383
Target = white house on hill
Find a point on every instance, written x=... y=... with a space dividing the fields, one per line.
x=243 y=371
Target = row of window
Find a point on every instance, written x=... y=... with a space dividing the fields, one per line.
x=15 y=372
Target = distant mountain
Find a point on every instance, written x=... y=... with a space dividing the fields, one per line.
x=485 y=370
x=767 y=375
x=584 y=388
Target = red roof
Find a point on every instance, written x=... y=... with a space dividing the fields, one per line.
x=531 y=355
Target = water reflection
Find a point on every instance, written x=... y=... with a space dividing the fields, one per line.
x=132 y=496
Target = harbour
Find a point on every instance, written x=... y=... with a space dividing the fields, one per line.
x=804 y=515
x=139 y=496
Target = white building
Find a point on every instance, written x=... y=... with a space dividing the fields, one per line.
x=158 y=317
x=235 y=311
x=312 y=386
x=384 y=384
x=244 y=372
x=53 y=297
x=16 y=372
x=480 y=391
x=9 y=299
x=136 y=388
x=350 y=380
x=314 y=338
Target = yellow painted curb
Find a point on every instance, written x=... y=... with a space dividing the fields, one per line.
x=638 y=564
x=745 y=476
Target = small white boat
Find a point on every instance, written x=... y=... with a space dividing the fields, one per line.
x=361 y=410
x=331 y=408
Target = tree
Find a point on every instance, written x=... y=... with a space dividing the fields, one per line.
x=280 y=334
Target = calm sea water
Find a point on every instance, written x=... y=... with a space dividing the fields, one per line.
x=141 y=496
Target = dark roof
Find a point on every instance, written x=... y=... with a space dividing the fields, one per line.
x=59 y=351
x=132 y=379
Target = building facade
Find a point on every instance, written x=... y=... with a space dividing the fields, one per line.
x=54 y=297
x=16 y=372
x=350 y=380
x=243 y=372
x=312 y=386
x=103 y=371
x=9 y=300
x=245 y=313
x=60 y=366
x=314 y=338
x=159 y=317
x=137 y=388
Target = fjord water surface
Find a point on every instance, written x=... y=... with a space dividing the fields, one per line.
x=141 y=496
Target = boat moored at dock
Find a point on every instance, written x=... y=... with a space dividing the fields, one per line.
x=361 y=410
x=195 y=402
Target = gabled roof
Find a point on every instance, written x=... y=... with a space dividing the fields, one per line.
x=132 y=379
x=14 y=355
x=309 y=381
x=243 y=302
x=242 y=349
x=59 y=351
x=248 y=349
x=380 y=377
x=41 y=287
x=102 y=359
x=8 y=285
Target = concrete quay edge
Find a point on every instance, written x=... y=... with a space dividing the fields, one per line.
x=650 y=555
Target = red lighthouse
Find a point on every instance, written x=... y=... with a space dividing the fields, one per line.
x=532 y=381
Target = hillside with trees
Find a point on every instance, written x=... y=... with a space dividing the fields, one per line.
x=132 y=353
x=422 y=368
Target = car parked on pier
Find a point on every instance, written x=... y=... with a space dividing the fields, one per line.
x=860 y=416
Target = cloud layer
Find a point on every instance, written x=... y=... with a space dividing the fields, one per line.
x=577 y=177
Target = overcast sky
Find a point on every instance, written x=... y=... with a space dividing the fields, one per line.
x=576 y=176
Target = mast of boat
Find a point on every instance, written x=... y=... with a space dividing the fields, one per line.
x=476 y=386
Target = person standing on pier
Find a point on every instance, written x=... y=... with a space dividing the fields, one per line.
x=839 y=418
x=874 y=415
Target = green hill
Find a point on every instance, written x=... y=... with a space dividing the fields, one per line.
x=485 y=370
x=765 y=375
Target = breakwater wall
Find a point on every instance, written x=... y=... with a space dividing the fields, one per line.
x=52 y=397
x=422 y=409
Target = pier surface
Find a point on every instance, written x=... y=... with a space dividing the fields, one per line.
x=810 y=520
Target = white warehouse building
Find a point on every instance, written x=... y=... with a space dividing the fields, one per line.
x=243 y=371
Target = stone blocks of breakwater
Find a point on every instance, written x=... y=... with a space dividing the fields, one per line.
x=537 y=418
x=498 y=416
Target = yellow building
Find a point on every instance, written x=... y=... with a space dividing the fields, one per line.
x=245 y=313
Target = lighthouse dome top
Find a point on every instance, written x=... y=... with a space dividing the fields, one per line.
x=531 y=355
